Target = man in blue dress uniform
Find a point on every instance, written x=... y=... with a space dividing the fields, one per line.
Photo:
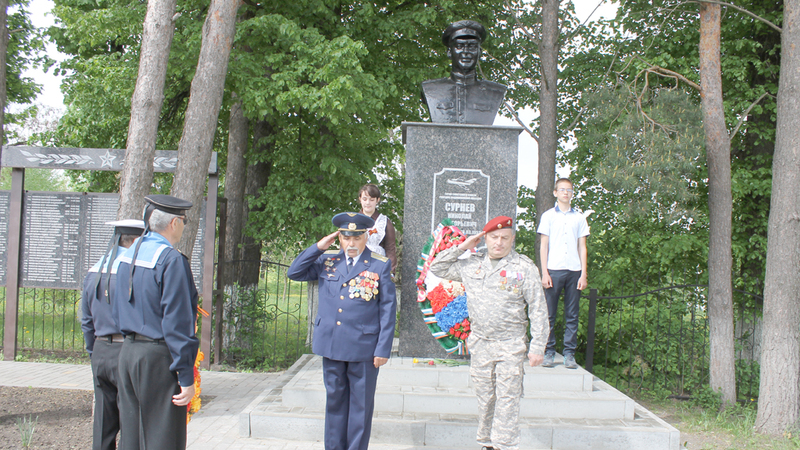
x=101 y=333
x=354 y=327
x=155 y=305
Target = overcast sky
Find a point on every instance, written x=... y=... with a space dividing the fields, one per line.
x=51 y=91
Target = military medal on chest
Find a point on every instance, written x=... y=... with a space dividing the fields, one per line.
x=365 y=285
x=511 y=281
x=330 y=264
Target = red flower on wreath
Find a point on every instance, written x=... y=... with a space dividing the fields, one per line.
x=439 y=298
x=460 y=330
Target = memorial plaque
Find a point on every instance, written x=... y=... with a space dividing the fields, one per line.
x=197 y=250
x=64 y=234
x=100 y=208
x=4 y=203
x=51 y=240
x=461 y=195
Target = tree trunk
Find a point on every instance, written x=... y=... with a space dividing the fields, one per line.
x=148 y=96
x=205 y=99
x=235 y=178
x=720 y=201
x=779 y=396
x=257 y=178
x=548 y=112
x=3 y=84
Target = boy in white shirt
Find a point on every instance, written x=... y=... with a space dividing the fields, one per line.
x=563 y=257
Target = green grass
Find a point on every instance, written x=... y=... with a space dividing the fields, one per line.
x=48 y=319
x=56 y=357
x=270 y=323
x=708 y=428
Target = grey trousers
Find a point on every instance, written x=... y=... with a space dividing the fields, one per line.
x=150 y=421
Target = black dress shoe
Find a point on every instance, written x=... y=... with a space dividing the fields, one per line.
x=487 y=448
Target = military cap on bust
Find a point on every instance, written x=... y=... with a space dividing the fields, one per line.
x=498 y=223
x=352 y=224
x=468 y=29
x=168 y=204
x=127 y=226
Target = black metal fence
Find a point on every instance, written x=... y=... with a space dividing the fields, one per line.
x=265 y=323
x=637 y=339
x=658 y=340
x=48 y=320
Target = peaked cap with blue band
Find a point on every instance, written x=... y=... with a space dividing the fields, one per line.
x=352 y=224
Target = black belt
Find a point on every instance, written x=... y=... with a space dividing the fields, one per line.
x=141 y=337
x=112 y=338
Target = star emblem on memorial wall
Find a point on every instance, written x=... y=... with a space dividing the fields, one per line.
x=107 y=159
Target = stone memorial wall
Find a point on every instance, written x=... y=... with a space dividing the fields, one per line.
x=64 y=234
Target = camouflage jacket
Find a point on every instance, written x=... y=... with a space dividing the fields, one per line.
x=497 y=297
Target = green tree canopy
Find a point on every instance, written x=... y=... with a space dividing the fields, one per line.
x=332 y=80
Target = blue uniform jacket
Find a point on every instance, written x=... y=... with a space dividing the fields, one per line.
x=97 y=319
x=163 y=301
x=357 y=309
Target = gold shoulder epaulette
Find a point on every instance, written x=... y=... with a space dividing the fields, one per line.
x=331 y=252
x=379 y=257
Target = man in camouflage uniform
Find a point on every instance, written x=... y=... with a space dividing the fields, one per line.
x=499 y=284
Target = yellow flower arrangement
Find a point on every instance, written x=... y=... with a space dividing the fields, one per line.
x=194 y=405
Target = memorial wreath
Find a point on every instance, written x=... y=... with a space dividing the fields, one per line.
x=443 y=302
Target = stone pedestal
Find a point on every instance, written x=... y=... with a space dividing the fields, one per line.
x=465 y=172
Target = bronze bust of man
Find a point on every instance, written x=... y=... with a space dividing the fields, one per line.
x=461 y=98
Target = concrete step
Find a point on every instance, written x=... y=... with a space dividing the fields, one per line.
x=404 y=371
x=457 y=431
x=408 y=389
x=287 y=413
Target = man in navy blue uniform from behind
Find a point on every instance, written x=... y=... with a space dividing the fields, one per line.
x=155 y=305
x=101 y=333
x=354 y=327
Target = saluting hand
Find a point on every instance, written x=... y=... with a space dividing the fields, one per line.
x=327 y=241
x=471 y=242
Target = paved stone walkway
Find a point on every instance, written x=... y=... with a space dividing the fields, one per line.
x=214 y=427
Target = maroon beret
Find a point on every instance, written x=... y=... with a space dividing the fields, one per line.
x=498 y=223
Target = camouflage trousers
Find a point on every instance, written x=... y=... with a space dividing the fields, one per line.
x=496 y=371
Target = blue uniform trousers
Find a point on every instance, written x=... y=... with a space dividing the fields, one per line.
x=105 y=374
x=350 y=387
x=566 y=280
